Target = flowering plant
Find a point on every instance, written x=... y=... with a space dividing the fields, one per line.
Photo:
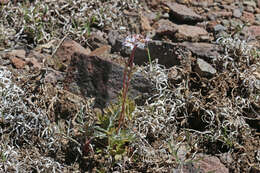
x=132 y=42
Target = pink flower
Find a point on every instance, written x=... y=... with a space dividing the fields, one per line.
x=137 y=40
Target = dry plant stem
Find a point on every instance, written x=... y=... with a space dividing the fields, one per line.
x=126 y=85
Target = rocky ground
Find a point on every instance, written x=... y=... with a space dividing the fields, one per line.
x=194 y=108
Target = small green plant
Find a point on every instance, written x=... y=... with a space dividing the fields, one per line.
x=89 y=22
x=107 y=139
x=182 y=151
x=3 y=157
x=227 y=138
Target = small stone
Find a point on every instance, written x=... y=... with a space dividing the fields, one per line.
x=165 y=16
x=53 y=77
x=204 y=69
x=249 y=3
x=204 y=4
x=67 y=49
x=210 y=164
x=257 y=17
x=153 y=3
x=229 y=7
x=50 y=78
x=3 y=2
x=219 y=28
x=34 y=62
x=250 y=9
x=36 y=54
x=255 y=31
x=224 y=14
x=211 y=25
x=257 y=11
x=96 y=40
x=145 y=24
x=211 y=17
x=19 y=53
x=258 y=3
x=226 y=1
x=254 y=43
x=101 y=51
x=248 y=17
x=182 y=1
x=235 y=23
x=151 y=16
x=18 y=63
x=237 y=13
x=225 y=22
x=226 y=158
x=113 y=35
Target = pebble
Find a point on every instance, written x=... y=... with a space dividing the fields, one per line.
x=249 y=3
x=204 y=69
x=250 y=9
x=248 y=17
x=225 y=22
x=219 y=27
x=257 y=17
x=235 y=23
x=237 y=13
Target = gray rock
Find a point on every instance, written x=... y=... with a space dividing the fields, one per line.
x=53 y=77
x=183 y=14
x=204 y=163
x=165 y=52
x=237 y=13
x=225 y=22
x=211 y=17
x=257 y=17
x=190 y=33
x=165 y=27
x=250 y=3
x=235 y=23
x=208 y=163
x=203 y=50
x=150 y=15
x=113 y=35
x=254 y=31
x=204 y=69
x=179 y=32
x=87 y=75
x=219 y=27
x=96 y=40
x=66 y=50
x=226 y=158
x=92 y=76
x=250 y=9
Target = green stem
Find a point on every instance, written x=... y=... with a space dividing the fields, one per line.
x=149 y=57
